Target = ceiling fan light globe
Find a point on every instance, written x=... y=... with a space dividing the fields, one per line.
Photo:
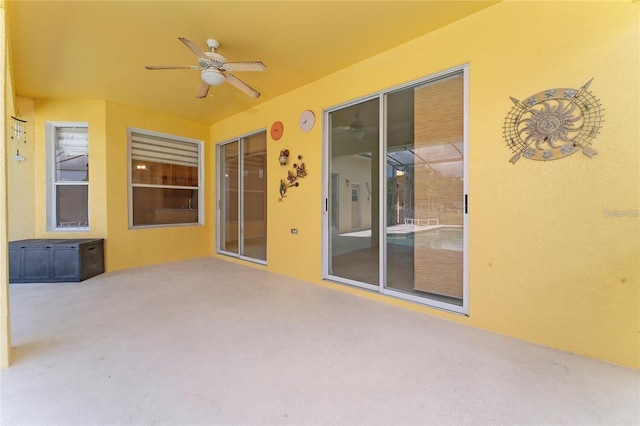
x=212 y=77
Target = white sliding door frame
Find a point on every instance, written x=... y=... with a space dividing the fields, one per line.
x=327 y=274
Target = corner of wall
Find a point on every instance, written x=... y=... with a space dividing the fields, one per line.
x=5 y=329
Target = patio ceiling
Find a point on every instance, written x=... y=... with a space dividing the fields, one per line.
x=98 y=49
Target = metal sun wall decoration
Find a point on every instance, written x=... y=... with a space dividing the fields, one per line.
x=292 y=178
x=553 y=124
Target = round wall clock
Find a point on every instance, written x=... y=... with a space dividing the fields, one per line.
x=277 y=129
x=307 y=120
x=553 y=124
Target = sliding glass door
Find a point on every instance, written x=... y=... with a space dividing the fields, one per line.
x=228 y=182
x=242 y=203
x=354 y=230
x=406 y=147
x=425 y=189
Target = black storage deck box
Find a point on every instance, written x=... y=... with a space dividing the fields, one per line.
x=55 y=260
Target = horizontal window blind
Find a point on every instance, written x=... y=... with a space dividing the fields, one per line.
x=72 y=140
x=162 y=150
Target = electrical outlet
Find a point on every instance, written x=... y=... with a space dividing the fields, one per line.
x=294 y=230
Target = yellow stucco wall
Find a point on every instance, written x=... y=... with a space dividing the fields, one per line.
x=137 y=247
x=547 y=264
x=21 y=176
x=93 y=113
x=6 y=109
x=108 y=122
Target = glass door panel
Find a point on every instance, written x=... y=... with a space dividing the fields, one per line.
x=425 y=177
x=254 y=200
x=354 y=217
x=228 y=234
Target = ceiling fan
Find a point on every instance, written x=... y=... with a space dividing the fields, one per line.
x=356 y=127
x=215 y=69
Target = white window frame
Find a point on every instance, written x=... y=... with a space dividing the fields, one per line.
x=130 y=185
x=51 y=128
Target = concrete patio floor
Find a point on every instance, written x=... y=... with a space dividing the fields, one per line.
x=209 y=342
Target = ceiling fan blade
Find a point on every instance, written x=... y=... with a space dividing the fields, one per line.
x=245 y=66
x=235 y=81
x=172 y=67
x=202 y=90
x=194 y=48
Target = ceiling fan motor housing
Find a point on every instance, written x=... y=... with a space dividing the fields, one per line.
x=215 y=59
x=213 y=44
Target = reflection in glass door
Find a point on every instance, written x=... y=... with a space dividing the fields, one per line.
x=354 y=211
x=396 y=193
x=425 y=182
x=228 y=217
x=242 y=203
x=254 y=196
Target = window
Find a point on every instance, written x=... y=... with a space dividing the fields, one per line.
x=166 y=179
x=67 y=176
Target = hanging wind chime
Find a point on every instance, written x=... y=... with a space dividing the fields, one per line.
x=18 y=133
